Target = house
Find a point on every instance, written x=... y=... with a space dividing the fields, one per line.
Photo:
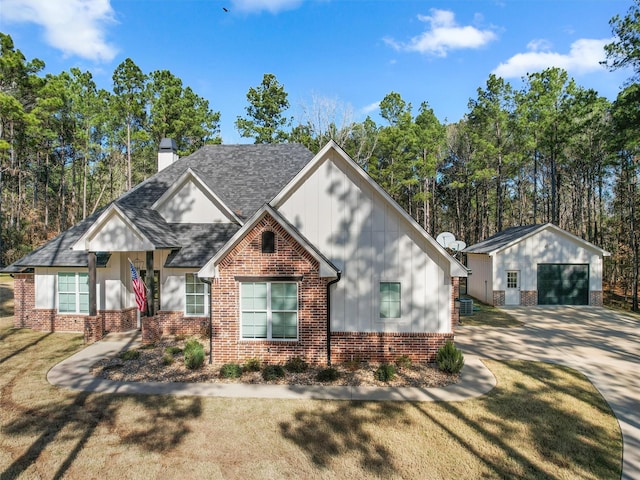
x=535 y=265
x=282 y=252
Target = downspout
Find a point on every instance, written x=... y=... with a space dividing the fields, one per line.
x=208 y=282
x=339 y=273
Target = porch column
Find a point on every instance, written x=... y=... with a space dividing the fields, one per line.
x=151 y=287
x=93 y=304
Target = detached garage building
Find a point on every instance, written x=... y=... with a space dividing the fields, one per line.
x=535 y=265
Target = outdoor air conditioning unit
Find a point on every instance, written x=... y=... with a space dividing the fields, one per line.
x=466 y=306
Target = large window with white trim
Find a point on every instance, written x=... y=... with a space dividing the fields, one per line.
x=195 y=301
x=269 y=310
x=73 y=292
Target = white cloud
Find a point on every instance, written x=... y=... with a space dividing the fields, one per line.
x=370 y=108
x=584 y=56
x=77 y=27
x=257 y=6
x=444 y=35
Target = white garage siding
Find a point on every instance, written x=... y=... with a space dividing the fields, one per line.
x=480 y=282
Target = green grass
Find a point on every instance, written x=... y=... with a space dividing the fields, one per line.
x=489 y=316
x=541 y=421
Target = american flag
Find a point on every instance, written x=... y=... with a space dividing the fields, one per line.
x=138 y=288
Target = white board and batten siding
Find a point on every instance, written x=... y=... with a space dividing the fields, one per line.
x=480 y=282
x=361 y=234
x=189 y=203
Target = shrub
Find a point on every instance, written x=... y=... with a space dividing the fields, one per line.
x=272 y=372
x=230 y=370
x=385 y=372
x=252 y=364
x=193 y=354
x=354 y=364
x=167 y=358
x=449 y=358
x=403 y=361
x=328 y=375
x=173 y=350
x=130 y=354
x=296 y=365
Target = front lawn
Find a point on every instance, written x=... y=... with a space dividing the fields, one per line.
x=541 y=421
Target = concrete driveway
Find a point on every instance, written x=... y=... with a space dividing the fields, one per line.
x=601 y=343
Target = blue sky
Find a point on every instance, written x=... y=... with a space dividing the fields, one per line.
x=347 y=54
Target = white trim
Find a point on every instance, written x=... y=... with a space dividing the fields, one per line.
x=206 y=297
x=558 y=230
x=457 y=269
x=76 y=293
x=269 y=313
x=82 y=244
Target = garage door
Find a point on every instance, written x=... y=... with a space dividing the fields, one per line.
x=563 y=284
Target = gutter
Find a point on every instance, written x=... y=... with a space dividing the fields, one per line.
x=339 y=272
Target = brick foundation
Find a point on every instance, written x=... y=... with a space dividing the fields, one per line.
x=595 y=298
x=528 y=298
x=93 y=329
x=498 y=298
x=172 y=323
x=120 y=320
x=24 y=294
x=386 y=347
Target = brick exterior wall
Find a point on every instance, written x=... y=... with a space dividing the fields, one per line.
x=289 y=259
x=24 y=294
x=528 y=298
x=386 y=347
x=48 y=320
x=93 y=329
x=119 y=320
x=498 y=298
x=595 y=298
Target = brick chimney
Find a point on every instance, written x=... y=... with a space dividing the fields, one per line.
x=167 y=154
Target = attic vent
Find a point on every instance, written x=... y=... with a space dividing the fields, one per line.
x=268 y=242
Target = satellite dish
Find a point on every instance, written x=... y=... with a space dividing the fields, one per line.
x=457 y=246
x=445 y=239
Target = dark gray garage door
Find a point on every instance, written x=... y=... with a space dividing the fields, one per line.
x=563 y=284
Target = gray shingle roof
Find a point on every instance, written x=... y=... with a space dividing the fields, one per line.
x=502 y=239
x=244 y=177
x=200 y=241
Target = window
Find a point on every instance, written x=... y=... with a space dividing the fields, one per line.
x=195 y=295
x=269 y=310
x=73 y=292
x=512 y=279
x=390 y=300
x=268 y=242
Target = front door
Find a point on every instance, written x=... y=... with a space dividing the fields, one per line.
x=512 y=293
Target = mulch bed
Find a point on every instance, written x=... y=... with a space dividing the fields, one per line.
x=151 y=366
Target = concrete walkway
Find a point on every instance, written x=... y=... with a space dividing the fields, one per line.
x=602 y=344
x=74 y=373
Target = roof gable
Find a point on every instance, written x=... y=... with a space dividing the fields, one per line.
x=327 y=269
x=457 y=269
x=242 y=177
x=513 y=235
x=190 y=200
